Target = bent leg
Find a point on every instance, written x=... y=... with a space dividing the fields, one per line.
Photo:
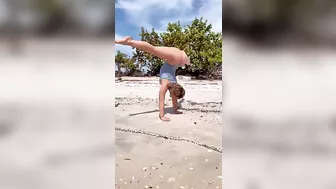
x=171 y=54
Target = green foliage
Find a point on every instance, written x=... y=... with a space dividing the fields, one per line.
x=126 y=62
x=202 y=45
x=54 y=14
x=49 y=6
x=175 y=36
x=153 y=63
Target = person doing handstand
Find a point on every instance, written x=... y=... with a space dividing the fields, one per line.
x=174 y=58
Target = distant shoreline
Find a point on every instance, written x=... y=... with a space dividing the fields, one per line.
x=154 y=78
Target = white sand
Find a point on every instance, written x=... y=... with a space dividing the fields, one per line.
x=198 y=91
x=179 y=164
x=56 y=116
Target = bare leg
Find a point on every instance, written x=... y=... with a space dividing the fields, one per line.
x=171 y=54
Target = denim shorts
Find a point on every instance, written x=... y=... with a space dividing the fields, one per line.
x=168 y=76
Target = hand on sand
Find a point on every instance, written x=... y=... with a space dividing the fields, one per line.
x=163 y=118
x=123 y=41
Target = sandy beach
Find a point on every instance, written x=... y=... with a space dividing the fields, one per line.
x=57 y=123
x=56 y=117
x=183 y=153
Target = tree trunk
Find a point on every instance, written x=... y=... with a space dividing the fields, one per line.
x=119 y=70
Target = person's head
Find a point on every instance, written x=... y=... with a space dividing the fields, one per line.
x=176 y=90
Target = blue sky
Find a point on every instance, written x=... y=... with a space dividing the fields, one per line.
x=131 y=15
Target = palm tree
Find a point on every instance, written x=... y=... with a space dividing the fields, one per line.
x=120 y=58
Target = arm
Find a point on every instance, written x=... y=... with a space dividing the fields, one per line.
x=174 y=99
x=162 y=94
x=175 y=106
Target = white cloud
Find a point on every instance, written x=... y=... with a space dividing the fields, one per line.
x=118 y=37
x=152 y=5
x=212 y=11
x=141 y=13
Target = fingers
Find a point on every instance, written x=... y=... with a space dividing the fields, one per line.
x=165 y=119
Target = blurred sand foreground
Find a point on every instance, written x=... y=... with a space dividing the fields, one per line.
x=57 y=118
x=147 y=161
x=56 y=115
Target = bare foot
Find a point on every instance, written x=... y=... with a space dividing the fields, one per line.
x=123 y=41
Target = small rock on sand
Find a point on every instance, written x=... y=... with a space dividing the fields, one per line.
x=171 y=179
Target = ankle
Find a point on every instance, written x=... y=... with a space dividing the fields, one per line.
x=130 y=42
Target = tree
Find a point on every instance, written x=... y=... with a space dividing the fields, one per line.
x=124 y=61
x=153 y=63
x=175 y=36
x=129 y=66
x=54 y=13
x=203 y=46
x=138 y=55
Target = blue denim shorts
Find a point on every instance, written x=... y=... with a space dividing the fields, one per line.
x=168 y=76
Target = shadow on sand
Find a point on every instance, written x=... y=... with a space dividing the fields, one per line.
x=167 y=110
